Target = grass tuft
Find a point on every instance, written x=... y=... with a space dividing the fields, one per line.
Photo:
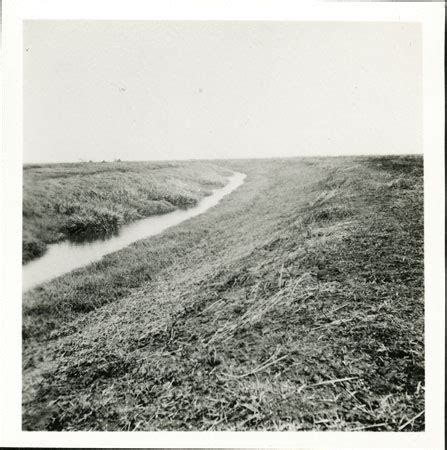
x=93 y=223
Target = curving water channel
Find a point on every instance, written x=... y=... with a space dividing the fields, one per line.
x=66 y=256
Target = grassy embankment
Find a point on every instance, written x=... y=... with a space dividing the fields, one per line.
x=296 y=304
x=88 y=200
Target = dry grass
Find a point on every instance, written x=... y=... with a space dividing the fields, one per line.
x=296 y=304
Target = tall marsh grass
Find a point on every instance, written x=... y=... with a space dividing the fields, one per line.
x=92 y=223
x=86 y=200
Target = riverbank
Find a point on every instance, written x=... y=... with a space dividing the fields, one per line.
x=296 y=304
x=65 y=256
x=85 y=201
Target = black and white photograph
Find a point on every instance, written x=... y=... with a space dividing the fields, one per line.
x=222 y=226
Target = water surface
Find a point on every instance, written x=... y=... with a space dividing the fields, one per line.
x=66 y=256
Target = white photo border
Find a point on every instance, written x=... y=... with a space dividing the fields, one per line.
x=429 y=15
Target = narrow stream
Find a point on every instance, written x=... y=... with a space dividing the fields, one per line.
x=66 y=256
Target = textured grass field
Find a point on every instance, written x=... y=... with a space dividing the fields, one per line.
x=87 y=200
x=295 y=304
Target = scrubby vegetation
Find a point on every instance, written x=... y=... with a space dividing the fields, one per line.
x=296 y=304
x=87 y=200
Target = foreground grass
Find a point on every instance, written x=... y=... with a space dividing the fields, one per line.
x=86 y=200
x=296 y=304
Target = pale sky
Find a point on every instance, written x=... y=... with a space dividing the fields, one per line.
x=179 y=90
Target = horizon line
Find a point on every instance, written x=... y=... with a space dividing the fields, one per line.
x=118 y=160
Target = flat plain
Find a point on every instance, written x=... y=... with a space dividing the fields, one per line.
x=297 y=303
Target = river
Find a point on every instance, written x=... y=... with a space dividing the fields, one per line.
x=65 y=256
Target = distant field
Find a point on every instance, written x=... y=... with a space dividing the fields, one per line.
x=297 y=303
x=87 y=200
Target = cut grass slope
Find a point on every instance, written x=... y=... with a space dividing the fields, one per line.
x=86 y=200
x=296 y=304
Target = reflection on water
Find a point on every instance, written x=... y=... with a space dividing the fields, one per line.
x=80 y=239
x=65 y=256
